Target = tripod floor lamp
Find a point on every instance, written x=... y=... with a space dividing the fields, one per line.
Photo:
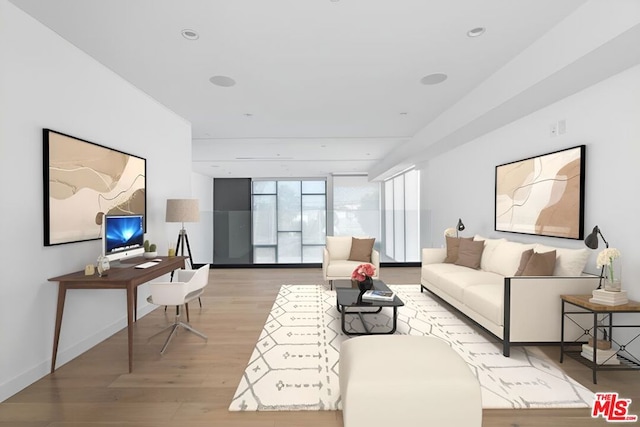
x=183 y=210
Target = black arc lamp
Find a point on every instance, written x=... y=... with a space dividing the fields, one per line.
x=459 y=226
x=591 y=241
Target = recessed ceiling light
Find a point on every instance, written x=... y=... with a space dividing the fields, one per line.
x=222 y=81
x=248 y=115
x=476 y=32
x=404 y=113
x=190 y=34
x=433 y=79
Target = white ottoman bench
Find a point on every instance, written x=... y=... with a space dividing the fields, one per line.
x=404 y=380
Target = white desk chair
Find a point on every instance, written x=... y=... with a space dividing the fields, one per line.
x=189 y=285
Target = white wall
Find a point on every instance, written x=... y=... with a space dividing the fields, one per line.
x=46 y=82
x=604 y=117
x=201 y=233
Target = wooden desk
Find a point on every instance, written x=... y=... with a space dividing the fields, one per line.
x=117 y=278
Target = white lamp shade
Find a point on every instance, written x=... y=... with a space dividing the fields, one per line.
x=183 y=210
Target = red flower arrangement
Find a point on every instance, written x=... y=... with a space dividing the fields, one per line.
x=363 y=272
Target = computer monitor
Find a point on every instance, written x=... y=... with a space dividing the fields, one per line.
x=123 y=237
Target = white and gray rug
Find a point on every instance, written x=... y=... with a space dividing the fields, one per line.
x=294 y=365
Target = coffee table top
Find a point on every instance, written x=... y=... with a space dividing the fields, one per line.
x=350 y=297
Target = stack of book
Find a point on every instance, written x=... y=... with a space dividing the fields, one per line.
x=603 y=357
x=376 y=295
x=600 y=296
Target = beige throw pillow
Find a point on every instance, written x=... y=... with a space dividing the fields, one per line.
x=524 y=259
x=361 y=249
x=452 y=248
x=569 y=262
x=537 y=264
x=541 y=264
x=470 y=253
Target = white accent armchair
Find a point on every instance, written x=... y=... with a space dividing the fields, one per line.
x=189 y=285
x=335 y=260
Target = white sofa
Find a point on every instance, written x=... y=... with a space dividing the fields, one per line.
x=516 y=309
x=335 y=259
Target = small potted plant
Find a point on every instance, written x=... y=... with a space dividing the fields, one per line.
x=150 y=250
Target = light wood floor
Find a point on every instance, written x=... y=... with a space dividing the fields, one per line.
x=193 y=383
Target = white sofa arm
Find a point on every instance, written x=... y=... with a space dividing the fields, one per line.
x=541 y=324
x=375 y=260
x=325 y=262
x=433 y=255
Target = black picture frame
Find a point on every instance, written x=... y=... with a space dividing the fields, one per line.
x=542 y=195
x=82 y=179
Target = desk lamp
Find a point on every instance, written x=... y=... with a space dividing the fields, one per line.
x=592 y=243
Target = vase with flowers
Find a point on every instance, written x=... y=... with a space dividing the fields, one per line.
x=363 y=276
x=609 y=260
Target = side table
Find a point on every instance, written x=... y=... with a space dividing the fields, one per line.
x=627 y=360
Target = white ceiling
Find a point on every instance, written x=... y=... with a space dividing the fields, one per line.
x=322 y=86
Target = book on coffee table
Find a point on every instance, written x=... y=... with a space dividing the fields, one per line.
x=377 y=295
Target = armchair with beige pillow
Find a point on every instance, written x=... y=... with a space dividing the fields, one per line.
x=343 y=254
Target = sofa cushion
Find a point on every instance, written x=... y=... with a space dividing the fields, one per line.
x=490 y=245
x=433 y=273
x=486 y=300
x=361 y=249
x=506 y=257
x=455 y=283
x=569 y=262
x=469 y=253
x=540 y=264
x=453 y=244
x=339 y=247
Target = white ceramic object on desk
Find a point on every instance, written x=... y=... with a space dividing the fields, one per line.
x=150 y=254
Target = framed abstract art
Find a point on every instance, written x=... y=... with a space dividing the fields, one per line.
x=83 y=179
x=542 y=195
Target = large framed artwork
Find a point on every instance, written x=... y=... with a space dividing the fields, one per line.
x=83 y=179
x=542 y=195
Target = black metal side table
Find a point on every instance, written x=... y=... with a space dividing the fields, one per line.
x=627 y=360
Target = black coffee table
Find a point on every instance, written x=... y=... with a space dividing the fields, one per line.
x=349 y=301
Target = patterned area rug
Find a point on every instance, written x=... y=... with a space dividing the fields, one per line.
x=294 y=365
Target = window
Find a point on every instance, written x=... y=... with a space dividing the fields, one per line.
x=356 y=207
x=289 y=221
x=402 y=218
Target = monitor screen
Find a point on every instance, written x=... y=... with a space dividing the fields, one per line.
x=123 y=236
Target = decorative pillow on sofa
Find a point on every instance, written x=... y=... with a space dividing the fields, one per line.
x=537 y=264
x=469 y=253
x=524 y=259
x=453 y=243
x=569 y=262
x=506 y=258
x=490 y=246
x=361 y=249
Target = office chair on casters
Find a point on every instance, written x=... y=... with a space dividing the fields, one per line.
x=190 y=285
